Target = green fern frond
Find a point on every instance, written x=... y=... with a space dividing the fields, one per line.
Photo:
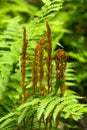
x=50 y=7
x=70 y=111
x=7 y=116
x=50 y=108
x=12 y=8
x=70 y=75
x=10 y=49
x=68 y=106
x=15 y=116
x=27 y=104
x=6 y=124
x=42 y=106
x=22 y=116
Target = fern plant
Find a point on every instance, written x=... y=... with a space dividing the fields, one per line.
x=34 y=76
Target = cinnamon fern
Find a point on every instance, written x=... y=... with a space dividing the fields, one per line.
x=35 y=76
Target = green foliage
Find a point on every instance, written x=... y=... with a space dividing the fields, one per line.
x=10 y=46
x=12 y=8
x=18 y=115
x=68 y=106
x=74 y=16
x=49 y=9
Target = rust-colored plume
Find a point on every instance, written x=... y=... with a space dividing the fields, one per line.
x=49 y=58
x=61 y=61
x=24 y=47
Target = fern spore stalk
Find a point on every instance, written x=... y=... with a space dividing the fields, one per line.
x=49 y=58
x=41 y=66
x=61 y=61
x=35 y=71
x=24 y=47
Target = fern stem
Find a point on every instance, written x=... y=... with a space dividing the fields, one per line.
x=24 y=124
x=32 y=121
x=39 y=124
x=50 y=121
x=57 y=121
x=46 y=124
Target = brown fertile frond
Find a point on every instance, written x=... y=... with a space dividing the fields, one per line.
x=41 y=68
x=49 y=38
x=24 y=47
x=48 y=32
x=61 y=61
x=38 y=70
x=49 y=58
x=35 y=71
